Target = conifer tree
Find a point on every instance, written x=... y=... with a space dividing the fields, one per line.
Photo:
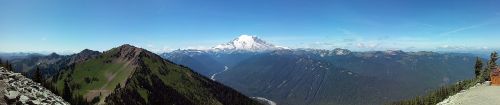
x=10 y=67
x=67 y=95
x=7 y=65
x=478 y=67
x=38 y=77
x=493 y=57
x=490 y=66
x=1 y=62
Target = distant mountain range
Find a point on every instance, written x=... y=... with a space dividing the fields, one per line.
x=254 y=67
x=16 y=55
x=324 y=77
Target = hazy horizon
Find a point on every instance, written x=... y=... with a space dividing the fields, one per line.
x=480 y=53
x=160 y=26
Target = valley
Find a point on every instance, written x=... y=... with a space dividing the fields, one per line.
x=274 y=75
x=338 y=76
x=249 y=52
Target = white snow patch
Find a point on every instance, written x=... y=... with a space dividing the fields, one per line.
x=248 y=43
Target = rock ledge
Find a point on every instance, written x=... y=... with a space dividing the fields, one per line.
x=17 y=89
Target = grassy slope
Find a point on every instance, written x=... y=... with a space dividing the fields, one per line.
x=151 y=77
x=99 y=70
x=158 y=81
x=182 y=80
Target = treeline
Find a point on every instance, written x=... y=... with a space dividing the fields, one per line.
x=438 y=95
x=38 y=76
x=6 y=64
x=481 y=72
x=68 y=91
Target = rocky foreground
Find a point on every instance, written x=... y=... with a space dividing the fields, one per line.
x=17 y=89
x=480 y=94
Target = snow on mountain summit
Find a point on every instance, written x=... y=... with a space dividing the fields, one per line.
x=248 y=43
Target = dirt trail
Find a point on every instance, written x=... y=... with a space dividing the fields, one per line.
x=102 y=90
x=478 y=95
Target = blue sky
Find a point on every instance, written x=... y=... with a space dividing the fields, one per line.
x=161 y=25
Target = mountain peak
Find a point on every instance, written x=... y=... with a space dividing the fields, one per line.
x=84 y=55
x=132 y=53
x=127 y=51
x=87 y=51
x=127 y=46
x=394 y=52
x=246 y=38
x=53 y=54
x=247 y=43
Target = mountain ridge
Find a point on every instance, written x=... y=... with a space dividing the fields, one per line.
x=132 y=75
x=246 y=43
x=369 y=73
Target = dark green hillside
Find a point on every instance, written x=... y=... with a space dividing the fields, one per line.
x=50 y=64
x=197 y=60
x=207 y=62
x=305 y=77
x=130 y=75
x=299 y=80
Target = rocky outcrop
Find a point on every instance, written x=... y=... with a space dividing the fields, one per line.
x=480 y=94
x=17 y=89
x=495 y=77
x=128 y=52
x=132 y=54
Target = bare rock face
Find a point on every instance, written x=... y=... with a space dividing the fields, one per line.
x=128 y=52
x=17 y=89
x=131 y=53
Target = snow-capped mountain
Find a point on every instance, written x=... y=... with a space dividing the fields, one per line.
x=246 y=43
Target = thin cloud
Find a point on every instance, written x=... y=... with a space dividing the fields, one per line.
x=349 y=40
x=322 y=45
x=347 y=32
x=467 y=28
x=451 y=47
x=461 y=29
x=367 y=45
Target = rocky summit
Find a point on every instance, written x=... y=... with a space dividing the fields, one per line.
x=17 y=89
